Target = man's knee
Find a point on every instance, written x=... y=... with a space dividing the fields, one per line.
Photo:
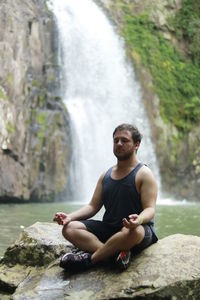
x=138 y=234
x=135 y=235
x=66 y=231
x=69 y=229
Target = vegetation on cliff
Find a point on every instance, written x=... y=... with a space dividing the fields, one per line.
x=176 y=75
x=187 y=26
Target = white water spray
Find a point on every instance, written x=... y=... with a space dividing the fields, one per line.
x=99 y=90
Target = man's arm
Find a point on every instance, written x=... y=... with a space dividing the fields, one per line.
x=86 y=211
x=147 y=188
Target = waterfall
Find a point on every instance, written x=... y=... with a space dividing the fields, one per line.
x=99 y=90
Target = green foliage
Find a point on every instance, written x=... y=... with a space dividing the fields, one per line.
x=42 y=98
x=10 y=128
x=3 y=94
x=42 y=120
x=35 y=83
x=192 y=109
x=176 y=80
x=46 y=6
x=187 y=26
x=10 y=79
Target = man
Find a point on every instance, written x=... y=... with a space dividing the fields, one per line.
x=128 y=191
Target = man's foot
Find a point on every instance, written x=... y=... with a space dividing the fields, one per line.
x=123 y=260
x=76 y=261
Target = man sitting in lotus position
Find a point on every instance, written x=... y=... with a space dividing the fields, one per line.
x=128 y=192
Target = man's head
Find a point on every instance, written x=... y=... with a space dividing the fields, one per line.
x=126 y=140
x=136 y=135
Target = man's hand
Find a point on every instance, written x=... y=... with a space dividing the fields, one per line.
x=61 y=218
x=133 y=222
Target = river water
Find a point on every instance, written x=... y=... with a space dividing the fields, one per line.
x=171 y=218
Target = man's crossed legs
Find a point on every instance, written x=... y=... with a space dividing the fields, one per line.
x=100 y=241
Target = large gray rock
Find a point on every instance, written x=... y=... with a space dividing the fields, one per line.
x=169 y=269
x=34 y=131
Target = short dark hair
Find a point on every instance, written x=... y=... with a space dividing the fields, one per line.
x=136 y=135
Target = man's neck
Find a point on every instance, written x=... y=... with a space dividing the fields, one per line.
x=126 y=164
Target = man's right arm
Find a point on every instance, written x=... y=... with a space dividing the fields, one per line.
x=86 y=211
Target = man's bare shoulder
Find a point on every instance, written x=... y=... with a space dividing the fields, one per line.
x=146 y=185
x=145 y=174
x=102 y=176
x=104 y=173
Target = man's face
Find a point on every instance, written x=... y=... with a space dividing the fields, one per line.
x=123 y=145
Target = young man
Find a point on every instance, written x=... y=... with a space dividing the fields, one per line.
x=128 y=192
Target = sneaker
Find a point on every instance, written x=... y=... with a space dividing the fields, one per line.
x=123 y=260
x=76 y=261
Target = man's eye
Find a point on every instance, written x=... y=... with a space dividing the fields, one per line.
x=123 y=141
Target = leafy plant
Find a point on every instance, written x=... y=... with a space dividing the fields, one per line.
x=176 y=79
x=187 y=26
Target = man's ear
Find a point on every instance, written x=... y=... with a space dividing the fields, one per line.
x=137 y=144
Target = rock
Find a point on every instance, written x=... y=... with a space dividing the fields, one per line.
x=34 y=135
x=38 y=245
x=169 y=269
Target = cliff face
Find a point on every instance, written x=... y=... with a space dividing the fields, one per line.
x=33 y=122
x=168 y=77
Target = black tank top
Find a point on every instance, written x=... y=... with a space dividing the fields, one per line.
x=120 y=197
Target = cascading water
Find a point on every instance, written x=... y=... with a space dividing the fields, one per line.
x=99 y=90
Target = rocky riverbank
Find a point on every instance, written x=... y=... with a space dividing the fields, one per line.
x=169 y=269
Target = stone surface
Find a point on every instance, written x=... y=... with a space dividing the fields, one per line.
x=169 y=269
x=38 y=245
x=34 y=131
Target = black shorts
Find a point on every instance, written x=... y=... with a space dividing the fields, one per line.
x=104 y=231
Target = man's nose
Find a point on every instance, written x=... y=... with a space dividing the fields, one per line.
x=119 y=142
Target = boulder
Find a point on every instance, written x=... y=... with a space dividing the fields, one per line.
x=169 y=269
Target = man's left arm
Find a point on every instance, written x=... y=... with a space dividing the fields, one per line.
x=148 y=190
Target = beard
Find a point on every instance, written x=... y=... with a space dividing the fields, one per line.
x=123 y=156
